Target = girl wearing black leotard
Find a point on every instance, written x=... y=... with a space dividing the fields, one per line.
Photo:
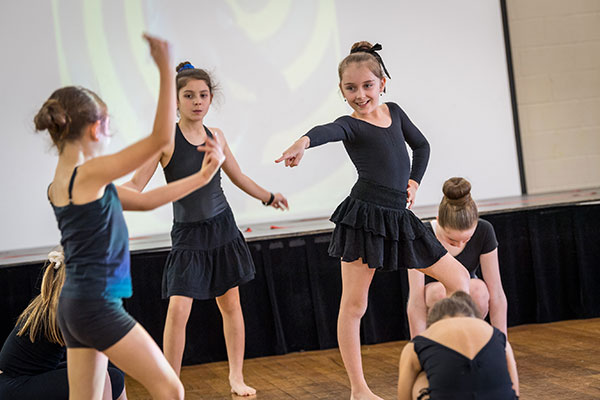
x=209 y=257
x=472 y=241
x=374 y=229
x=459 y=356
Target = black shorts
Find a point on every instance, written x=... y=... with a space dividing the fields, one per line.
x=96 y=324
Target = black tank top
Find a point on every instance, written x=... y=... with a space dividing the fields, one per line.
x=203 y=203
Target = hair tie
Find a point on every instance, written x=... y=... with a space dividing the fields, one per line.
x=373 y=51
x=56 y=257
x=186 y=66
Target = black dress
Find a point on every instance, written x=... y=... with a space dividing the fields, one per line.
x=373 y=223
x=209 y=254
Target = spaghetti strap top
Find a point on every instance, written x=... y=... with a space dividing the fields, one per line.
x=95 y=241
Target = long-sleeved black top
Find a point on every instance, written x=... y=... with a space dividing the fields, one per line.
x=379 y=154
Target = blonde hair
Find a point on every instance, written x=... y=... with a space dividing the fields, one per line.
x=39 y=318
x=457 y=209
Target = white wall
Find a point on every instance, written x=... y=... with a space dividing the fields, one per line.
x=556 y=53
x=276 y=62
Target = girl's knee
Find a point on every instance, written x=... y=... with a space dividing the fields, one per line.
x=353 y=308
x=434 y=292
x=173 y=390
x=480 y=295
x=229 y=305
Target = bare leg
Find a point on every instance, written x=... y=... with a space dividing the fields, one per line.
x=481 y=296
x=174 y=333
x=356 y=279
x=86 y=369
x=434 y=292
x=140 y=357
x=107 y=394
x=450 y=273
x=235 y=337
x=421 y=383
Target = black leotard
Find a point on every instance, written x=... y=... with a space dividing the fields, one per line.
x=453 y=376
x=379 y=154
x=203 y=203
x=482 y=242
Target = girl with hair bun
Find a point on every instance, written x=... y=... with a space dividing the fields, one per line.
x=472 y=241
x=459 y=356
x=209 y=257
x=89 y=211
x=374 y=228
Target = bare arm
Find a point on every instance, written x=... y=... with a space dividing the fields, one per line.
x=142 y=175
x=490 y=269
x=416 y=309
x=411 y=192
x=241 y=180
x=512 y=367
x=100 y=171
x=408 y=371
x=133 y=200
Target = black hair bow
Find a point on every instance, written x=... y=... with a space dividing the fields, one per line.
x=373 y=51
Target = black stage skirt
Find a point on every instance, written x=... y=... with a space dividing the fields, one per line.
x=373 y=224
x=207 y=258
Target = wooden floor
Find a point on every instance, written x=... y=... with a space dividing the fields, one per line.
x=556 y=361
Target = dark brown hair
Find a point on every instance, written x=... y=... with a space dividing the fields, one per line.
x=190 y=73
x=67 y=112
x=359 y=57
x=459 y=304
x=457 y=209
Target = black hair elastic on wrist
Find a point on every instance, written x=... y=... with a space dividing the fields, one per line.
x=373 y=51
x=268 y=203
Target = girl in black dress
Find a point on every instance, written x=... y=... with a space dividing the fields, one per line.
x=209 y=258
x=373 y=227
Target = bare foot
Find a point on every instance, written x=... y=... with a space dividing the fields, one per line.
x=239 y=388
x=364 y=396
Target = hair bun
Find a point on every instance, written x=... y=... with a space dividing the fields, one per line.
x=183 y=66
x=457 y=190
x=361 y=45
x=52 y=117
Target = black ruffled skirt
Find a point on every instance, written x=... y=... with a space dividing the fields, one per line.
x=207 y=258
x=373 y=224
